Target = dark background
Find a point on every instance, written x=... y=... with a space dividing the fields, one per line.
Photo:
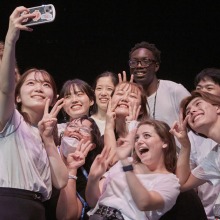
x=89 y=37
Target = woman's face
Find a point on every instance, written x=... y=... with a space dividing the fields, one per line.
x=123 y=95
x=103 y=91
x=79 y=130
x=201 y=115
x=148 y=145
x=34 y=92
x=77 y=103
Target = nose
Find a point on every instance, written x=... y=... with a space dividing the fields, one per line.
x=74 y=98
x=38 y=87
x=103 y=92
x=124 y=98
x=139 y=64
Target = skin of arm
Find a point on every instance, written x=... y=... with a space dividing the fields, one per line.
x=58 y=169
x=69 y=205
x=183 y=171
x=7 y=68
x=95 y=180
x=109 y=135
x=144 y=199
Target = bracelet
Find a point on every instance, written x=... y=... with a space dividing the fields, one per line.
x=72 y=177
x=127 y=168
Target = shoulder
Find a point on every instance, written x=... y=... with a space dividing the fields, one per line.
x=174 y=88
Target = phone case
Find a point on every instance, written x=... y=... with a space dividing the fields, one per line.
x=44 y=14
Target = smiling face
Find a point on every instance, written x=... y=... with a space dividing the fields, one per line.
x=33 y=92
x=144 y=74
x=103 y=91
x=149 y=146
x=79 y=129
x=124 y=94
x=76 y=102
x=201 y=115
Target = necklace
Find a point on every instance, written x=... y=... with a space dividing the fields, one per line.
x=155 y=100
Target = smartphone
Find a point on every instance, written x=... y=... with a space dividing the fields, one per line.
x=44 y=14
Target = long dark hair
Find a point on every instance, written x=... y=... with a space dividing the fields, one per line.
x=82 y=85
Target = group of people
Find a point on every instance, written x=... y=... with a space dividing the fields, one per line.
x=143 y=148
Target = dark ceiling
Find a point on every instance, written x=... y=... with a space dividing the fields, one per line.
x=89 y=37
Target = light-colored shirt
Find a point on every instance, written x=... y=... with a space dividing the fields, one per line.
x=23 y=159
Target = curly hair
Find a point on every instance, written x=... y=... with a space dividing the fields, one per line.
x=149 y=46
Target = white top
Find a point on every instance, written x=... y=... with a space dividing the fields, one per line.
x=116 y=193
x=23 y=159
x=209 y=168
x=61 y=127
x=200 y=148
x=100 y=124
x=167 y=104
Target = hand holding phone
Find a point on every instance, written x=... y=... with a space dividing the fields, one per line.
x=43 y=14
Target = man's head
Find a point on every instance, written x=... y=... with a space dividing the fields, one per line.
x=208 y=80
x=144 y=62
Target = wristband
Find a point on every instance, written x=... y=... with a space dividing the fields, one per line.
x=127 y=168
x=72 y=177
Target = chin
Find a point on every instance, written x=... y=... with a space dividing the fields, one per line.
x=121 y=113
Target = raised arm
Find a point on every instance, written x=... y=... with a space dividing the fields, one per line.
x=7 y=68
x=183 y=171
x=95 y=180
x=69 y=205
x=145 y=200
x=46 y=127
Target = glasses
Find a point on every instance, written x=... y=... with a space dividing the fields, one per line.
x=144 y=62
x=82 y=129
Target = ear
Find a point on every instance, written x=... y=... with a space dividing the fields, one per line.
x=218 y=109
x=164 y=145
x=157 y=67
x=18 y=99
x=91 y=102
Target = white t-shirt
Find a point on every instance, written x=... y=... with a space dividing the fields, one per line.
x=100 y=124
x=116 y=193
x=167 y=101
x=200 y=148
x=23 y=159
x=209 y=168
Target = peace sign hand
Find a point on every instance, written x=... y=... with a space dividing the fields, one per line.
x=111 y=115
x=179 y=130
x=77 y=159
x=123 y=77
x=49 y=120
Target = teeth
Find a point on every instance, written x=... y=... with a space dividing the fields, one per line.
x=123 y=106
x=139 y=74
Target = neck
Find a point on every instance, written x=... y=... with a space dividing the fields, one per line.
x=213 y=132
x=120 y=127
x=100 y=114
x=33 y=116
x=151 y=88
